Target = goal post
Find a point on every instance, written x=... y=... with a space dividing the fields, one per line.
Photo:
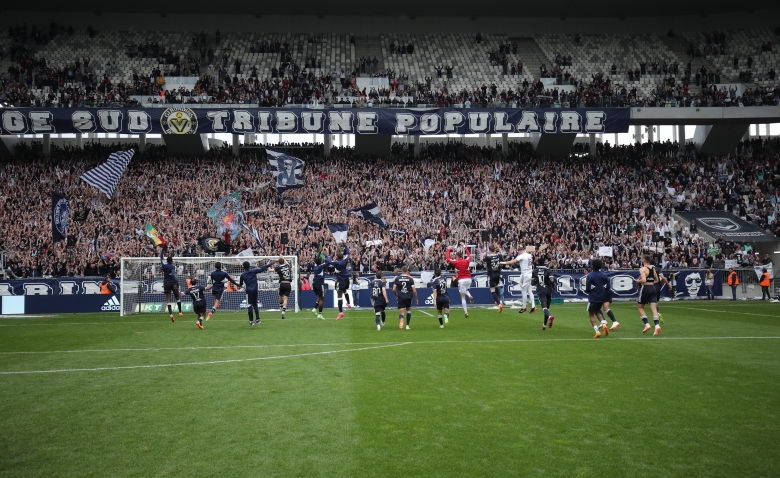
x=141 y=283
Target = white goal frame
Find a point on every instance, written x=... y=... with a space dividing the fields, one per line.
x=141 y=292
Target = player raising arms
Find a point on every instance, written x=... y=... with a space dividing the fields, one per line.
x=249 y=277
x=545 y=284
x=404 y=289
x=596 y=286
x=343 y=277
x=198 y=295
x=318 y=284
x=170 y=284
x=526 y=274
x=217 y=286
x=285 y=279
x=461 y=265
x=648 y=294
x=493 y=265
x=440 y=297
x=378 y=289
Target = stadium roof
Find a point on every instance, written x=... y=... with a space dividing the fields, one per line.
x=503 y=8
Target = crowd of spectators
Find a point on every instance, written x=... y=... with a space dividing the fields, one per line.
x=451 y=193
x=29 y=81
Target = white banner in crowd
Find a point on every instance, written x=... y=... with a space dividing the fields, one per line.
x=760 y=270
x=377 y=242
x=426 y=277
x=605 y=251
x=732 y=264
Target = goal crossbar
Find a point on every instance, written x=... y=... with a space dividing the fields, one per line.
x=141 y=283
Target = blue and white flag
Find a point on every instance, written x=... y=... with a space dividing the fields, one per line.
x=60 y=210
x=253 y=232
x=339 y=231
x=287 y=170
x=106 y=176
x=370 y=212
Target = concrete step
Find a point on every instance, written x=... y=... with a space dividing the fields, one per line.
x=369 y=47
x=531 y=55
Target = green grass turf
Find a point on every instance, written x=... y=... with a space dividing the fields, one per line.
x=491 y=395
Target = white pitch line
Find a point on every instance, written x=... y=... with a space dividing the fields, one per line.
x=722 y=311
x=336 y=344
x=207 y=347
x=210 y=362
x=426 y=313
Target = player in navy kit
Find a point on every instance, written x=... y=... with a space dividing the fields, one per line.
x=342 y=276
x=596 y=286
x=217 y=286
x=249 y=277
x=378 y=289
x=545 y=284
x=493 y=261
x=198 y=295
x=441 y=298
x=404 y=289
x=170 y=284
x=318 y=284
x=285 y=280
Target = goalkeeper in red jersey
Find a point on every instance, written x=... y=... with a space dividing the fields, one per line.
x=461 y=263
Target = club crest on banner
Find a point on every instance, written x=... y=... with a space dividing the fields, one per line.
x=179 y=121
x=61 y=210
x=720 y=223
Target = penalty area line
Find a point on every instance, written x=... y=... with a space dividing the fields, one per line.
x=209 y=362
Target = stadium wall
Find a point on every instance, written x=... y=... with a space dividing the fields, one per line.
x=514 y=26
x=82 y=295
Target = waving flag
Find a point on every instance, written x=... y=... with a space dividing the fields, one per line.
x=339 y=231
x=370 y=212
x=210 y=245
x=154 y=236
x=254 y=233
x=228 y=215
x=287 y=170
x=60 y=210
x=106 y=176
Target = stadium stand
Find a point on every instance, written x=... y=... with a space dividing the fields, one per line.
x=69 y=67
x=470 y=61
x=752 y=47
x=592 y=54
x=452 y=192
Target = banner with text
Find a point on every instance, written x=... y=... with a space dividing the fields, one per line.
x=182 y=120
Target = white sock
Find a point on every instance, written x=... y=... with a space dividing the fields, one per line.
x=603 y=322
x=468 y=294
x=596 y=328
x=463 y=301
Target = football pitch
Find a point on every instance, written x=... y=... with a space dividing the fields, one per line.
x=490 y=395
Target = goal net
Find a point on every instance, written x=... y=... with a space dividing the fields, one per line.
x=141 y=283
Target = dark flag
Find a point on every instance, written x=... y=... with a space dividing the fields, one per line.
x=60 y=210
x=370 y=212
x=339 y=231
x=210 y=245
x=287 y=170
x=81 y=216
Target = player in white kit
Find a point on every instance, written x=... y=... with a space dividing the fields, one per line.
x=526 y=264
